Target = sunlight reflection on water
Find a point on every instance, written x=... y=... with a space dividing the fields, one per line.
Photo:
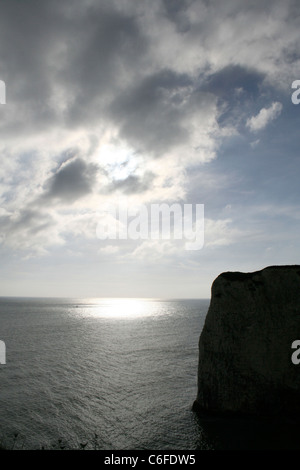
x=125 y=309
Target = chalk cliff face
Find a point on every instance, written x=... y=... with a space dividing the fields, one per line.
x=245 y=348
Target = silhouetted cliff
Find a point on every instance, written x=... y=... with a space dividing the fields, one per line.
x=245 y=347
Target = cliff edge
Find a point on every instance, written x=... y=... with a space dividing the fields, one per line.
x=245 y=347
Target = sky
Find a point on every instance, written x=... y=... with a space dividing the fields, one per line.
x=141 y=103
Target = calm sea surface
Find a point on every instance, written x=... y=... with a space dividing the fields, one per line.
x=112 y=373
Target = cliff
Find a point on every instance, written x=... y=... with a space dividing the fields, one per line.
x=245 y=347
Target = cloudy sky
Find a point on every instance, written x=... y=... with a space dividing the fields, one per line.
x=140 y=102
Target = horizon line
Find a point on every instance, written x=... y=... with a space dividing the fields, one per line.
x=102 y=298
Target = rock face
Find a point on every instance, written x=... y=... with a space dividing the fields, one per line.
x=245 y=347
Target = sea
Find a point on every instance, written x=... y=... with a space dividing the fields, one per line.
x=99 y=373
x=112 y=374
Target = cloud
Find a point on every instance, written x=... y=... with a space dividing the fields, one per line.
x=233 y=80
x=221 y=232
x=30 y=231
x=72 y=181
x=162 y=84
x=264 y=117
x=164 y=113
x=79 y=58
x=151 y=251
x=254 y=143
x=133 y=184
x=150 y=113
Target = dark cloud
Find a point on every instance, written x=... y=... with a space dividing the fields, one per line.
x=75 y=64
x=175 y=10
x=238 y=90
x=72 y=181
x=151 y=113
x=133 y=184
x=29 y=31
x=107 y=46
x=60 y=62
x=230 y=78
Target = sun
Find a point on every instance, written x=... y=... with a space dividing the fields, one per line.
x=119 y=161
